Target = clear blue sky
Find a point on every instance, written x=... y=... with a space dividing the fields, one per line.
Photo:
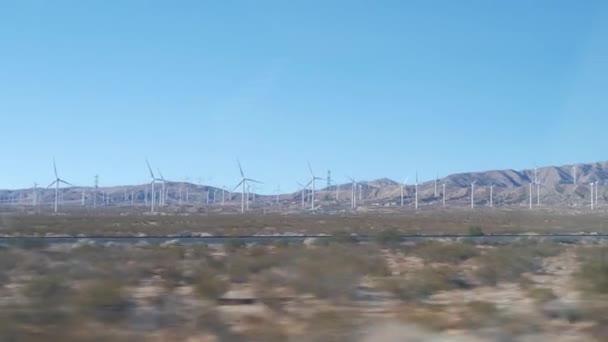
x=366 y=89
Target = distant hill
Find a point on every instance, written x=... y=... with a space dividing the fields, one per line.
x=511 y=187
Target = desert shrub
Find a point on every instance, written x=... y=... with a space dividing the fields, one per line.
x=331 y=326
x=507 y=263
x=423 y=283
x=475 y=231
x=210 y=285
x=233 y=245
x=429 y=316
x=342 y=237
x=593 y=273
x=445 y=252
x=50 y=289
x=388 y=238
x=541 y=295
x=104 y=300
x=8 y=259
x=334 y=271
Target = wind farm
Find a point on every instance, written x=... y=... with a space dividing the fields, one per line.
x=562 y=188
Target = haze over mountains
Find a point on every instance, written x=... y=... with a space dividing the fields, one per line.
x=511 y=188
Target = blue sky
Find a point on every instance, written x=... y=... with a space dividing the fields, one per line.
x=366 y=89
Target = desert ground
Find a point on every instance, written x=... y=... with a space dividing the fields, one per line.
x=323 y=290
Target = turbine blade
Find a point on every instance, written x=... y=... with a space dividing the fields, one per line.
x=55 y=167
x=241 y=169
x=66 y=183
x=51 y=184
x=150 y=169
x=310 y=169
x=253 y=181
x=236 y=186
x=161 y=175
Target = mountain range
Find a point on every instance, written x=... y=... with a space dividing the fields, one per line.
x=555 y=186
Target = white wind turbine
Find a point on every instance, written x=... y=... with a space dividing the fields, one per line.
x=530 y=195
x=303 y=192
x=473 y=194
x=35 y=195
x=591 y=187
x=491 y=195
x=443 y=186
x=403 y=190
x=153 y=181
x=164 y=189
x=56 y=183
x=353 y=193
x=312 y=182
x=244 y=183
x=416 y=192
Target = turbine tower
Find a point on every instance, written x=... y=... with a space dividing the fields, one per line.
x=353 y=194
x=403 y=190
x=530 y=195
x=592 y=185
x=491 y=195
x=473 y=194
x=443 y=186
x=416 y=192
x=244 y=183
x=56 y=183
x=153 y=181
x=312 y=182
x=303 y=193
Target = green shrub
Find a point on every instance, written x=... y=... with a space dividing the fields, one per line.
x=104 y=300
x=423 y=283
x=210 y=286
x=507 y=263
x=593 y=274
x=46 y=288
x=475 y=231
x=453 y=253
x=388 y=238
x=541 y=295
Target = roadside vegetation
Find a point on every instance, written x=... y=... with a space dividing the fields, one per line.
x=325 y=290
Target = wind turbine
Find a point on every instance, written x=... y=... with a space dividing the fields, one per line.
x=574 y=174
x=416 y=191
x=35 y=195
x=443 y=186
x=403 y=190
x=312 y=181
x=530 y=195
x=592 y=185
x=244 y=182
x=473 y=194
x=152 y=183
x=353 y=193
x=491 y=195
x=596 y=192
x=56 y=183
x=303 y=191
x=164 y=189
x=537 y=186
